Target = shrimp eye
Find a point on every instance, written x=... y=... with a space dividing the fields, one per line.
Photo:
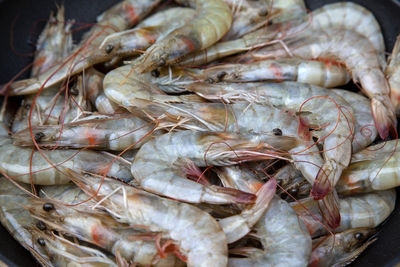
x=48 y=207
x=38 y=136
x=277 y=131
x=155 y=73
x=359 y=236
x=41 y=225
x=293 y=191
x=221 y=75
x=109 y=48
x=41 y=242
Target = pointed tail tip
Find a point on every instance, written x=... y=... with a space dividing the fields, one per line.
x=384 y=117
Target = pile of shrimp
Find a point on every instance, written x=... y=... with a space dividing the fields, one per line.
x=203 y=133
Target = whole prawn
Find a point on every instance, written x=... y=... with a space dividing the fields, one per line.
x=202 y=244
x=176 y=152
x=212 y=21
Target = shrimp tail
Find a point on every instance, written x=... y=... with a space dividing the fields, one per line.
x=329 y=207
x=234 y=195
x=322 y=184
x=384 y=115
x=235 y=227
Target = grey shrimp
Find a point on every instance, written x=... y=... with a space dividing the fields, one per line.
x=284 y=237
x=203 y=243
x=161 y=163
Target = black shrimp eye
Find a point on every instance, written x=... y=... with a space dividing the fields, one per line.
x=109 y=48
x=41 y=242
x=359 y=236
x=48 y=207
x=155 y=73
x=41 y=225
x=277 y=131
x=221 y=75
x=293 y=191
x=38 y=136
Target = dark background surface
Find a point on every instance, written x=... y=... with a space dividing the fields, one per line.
x=24 y=19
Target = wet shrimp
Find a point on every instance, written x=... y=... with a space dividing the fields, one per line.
x=119 y=17
x=284 y=237
x=238 y=177
x=130 y=42
x=372 y=169
x=306 y=71
x=28 y=166
x=212 y=21
x=98 y=228
x=393 y=75
x=63 y=252
x=165 y=174
x=54 y=43
x=15 y=218
x=116 y=132
x=367 y=210
x=342 y=248
x=359 y=56
x=202 y=244
x=351 y=16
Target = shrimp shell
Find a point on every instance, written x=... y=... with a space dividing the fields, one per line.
x=393 y=75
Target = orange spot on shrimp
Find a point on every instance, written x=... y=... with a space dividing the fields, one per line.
x=130 y=13
x=39 y=61
x=189 y=44
x=91 y=137
x=96 y=235
x=277 y=71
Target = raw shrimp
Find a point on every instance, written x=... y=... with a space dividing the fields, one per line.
x=119 y=17
x=165 y=174
x=284 y=237
x=367 y=210
x=62 y=252
x=196 y=234
x=100 y=132
x=15 y=161
x=237 y=226
x=350 y=16
x=54 y=43
x=359 y=56
x=223 y=49
x=315 y=109
x=371 y=170
x=307 y=71
x=212 y=21
x=342 y=248
x=15 y=218
x=131 y=42
x=98 y=228
x=393 y=75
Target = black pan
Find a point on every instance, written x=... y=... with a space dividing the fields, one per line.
x=22 y=20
